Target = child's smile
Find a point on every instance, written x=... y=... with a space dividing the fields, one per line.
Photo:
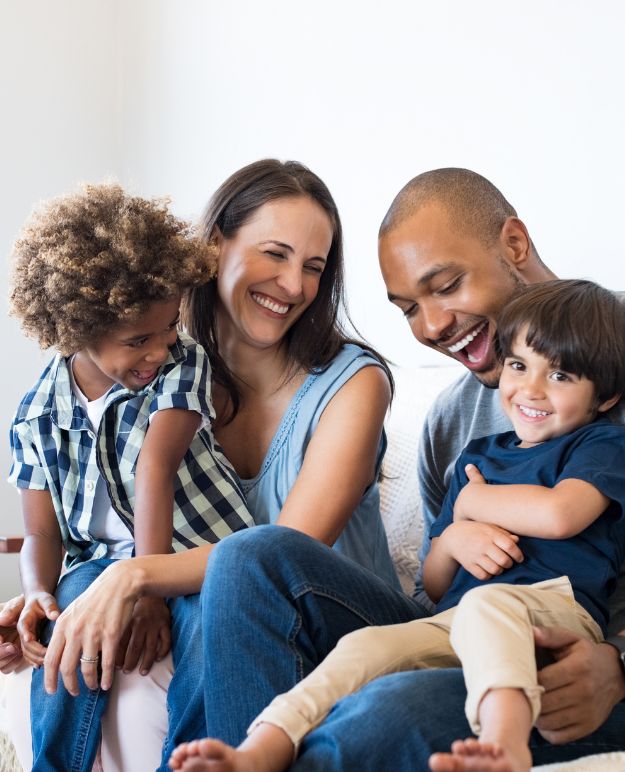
x=129 y=354
x=542 y=401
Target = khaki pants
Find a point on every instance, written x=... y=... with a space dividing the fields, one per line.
x=489 y=633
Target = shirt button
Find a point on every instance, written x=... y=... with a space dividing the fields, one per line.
x=90 y=486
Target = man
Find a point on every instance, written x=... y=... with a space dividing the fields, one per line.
x=452 y=251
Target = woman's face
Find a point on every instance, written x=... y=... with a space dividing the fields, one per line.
x=269 y=271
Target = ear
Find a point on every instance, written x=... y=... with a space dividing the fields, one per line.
x=516 y=244
x=605 y=406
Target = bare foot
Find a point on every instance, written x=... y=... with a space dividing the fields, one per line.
x=476 y=756
x=210 y=755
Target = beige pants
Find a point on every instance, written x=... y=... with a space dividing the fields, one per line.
x=489 y=633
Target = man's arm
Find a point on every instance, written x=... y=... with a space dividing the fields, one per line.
x=531 y=510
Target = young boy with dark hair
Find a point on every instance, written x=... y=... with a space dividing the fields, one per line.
x=112 y=448
x=555 y=501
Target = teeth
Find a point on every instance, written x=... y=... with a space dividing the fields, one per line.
x=528 y=411
x=466 y=340
x=266 y=303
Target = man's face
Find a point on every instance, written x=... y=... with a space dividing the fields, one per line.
x=450 y=287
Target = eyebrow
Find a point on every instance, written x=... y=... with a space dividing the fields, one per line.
x=425 y=279
x=279 y=243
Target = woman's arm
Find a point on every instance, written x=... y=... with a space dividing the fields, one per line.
x=531 y=510
x=340 y=460
x=97 y=619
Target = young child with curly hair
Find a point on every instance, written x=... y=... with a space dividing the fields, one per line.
x=112 y=448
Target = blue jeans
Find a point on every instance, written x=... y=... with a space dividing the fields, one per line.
x=275 y=602
x=397 y=721
x=66 y=729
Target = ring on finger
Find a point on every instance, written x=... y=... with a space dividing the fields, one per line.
x=90 y=660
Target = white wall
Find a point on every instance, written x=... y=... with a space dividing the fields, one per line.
x=59 y=71
x=174 y=95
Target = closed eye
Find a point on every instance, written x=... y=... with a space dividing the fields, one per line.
x=136 y=343
x=447 y=289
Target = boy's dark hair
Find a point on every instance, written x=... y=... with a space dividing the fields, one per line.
x=576 y=324
x=88 y=261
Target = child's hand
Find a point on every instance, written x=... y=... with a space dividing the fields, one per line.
x=482 y=549
x=148 y=636
x=10 y=650
x=465 y=500
x=37 y=607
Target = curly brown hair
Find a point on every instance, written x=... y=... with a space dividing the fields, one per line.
x=87 y=262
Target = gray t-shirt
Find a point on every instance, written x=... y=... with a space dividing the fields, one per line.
x=465 y=411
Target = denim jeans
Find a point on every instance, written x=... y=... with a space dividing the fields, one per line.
x=397 y=721
x=66 y=729
x=275 y=602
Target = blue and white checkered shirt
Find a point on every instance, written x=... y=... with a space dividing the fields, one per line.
x=54 y=448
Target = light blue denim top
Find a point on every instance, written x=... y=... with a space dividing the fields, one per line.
x=364 y=538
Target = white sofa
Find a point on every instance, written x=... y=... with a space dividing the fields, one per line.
x=416 y=389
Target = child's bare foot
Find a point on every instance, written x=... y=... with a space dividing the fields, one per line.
x=267 y=749
x=210 y=755
x=477 y=756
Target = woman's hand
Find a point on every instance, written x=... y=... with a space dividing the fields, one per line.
x=37 y=607
x=90 y=628
x=10 y=650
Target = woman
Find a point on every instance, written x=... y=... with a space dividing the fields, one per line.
x=299 y=406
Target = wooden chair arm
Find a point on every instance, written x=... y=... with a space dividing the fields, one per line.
x=11 y=543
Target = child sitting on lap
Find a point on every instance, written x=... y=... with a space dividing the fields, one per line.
x=112 y=448
x=532 y=532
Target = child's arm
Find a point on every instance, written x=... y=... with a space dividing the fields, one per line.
x=40 y=567
x=531 y=510
x=167 y=440
x=484 y=550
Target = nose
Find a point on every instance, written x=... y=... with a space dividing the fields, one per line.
x=289 y=279
x=533 y=387
x=434 y=322
x=158 y=350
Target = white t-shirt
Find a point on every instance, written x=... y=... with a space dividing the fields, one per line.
x=107 y=526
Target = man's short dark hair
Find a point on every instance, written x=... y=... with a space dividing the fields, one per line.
x=474 y=205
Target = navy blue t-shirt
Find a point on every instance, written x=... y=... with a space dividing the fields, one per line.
x=594 y=453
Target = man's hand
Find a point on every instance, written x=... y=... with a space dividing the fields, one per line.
x=148 y=636
x=483 y=550
x=37 y=607
x=581 y=686
x=10 y=649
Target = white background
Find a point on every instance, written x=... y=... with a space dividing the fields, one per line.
x=171 y=96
